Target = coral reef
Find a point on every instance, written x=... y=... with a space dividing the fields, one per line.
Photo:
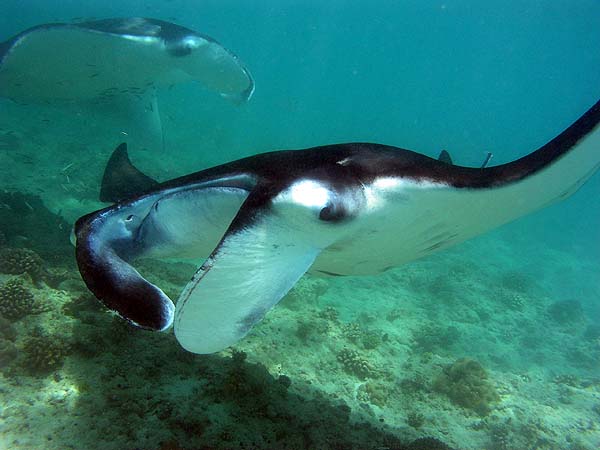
x=43 y=353
x=7 y=331
x=371 y=339
x=352 y=331
x=8 y=350
x=466 y=383
x=356 y=364
x=16 y=301
x=16 y=261
x=511 y=299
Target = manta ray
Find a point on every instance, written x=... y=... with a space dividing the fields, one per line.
x=116 y=62
x=261 y=222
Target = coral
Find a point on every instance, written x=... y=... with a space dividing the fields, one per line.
x=43 y=353
x=500 y=437
x=415 y=419
x=352 y=331
x=16 y=301
x=355 y=364
x=511 y=299
x=568 y=379
x=355 y=333
x=433 y=337
x=466 y=383
x=370 y=339
x=308 y=290
x=329 y=313
x=7 y=331
x=414 y=385
x=16 y=261
x=8 y=352
x=374 y=393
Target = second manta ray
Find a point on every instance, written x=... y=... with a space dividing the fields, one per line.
x=262 y=222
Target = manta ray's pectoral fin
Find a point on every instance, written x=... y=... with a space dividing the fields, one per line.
x=262 y=255
x=122 y=179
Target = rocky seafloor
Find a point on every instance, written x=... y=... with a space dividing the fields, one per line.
x=442 y=352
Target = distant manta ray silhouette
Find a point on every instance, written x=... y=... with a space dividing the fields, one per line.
x=117 y=63
x=262 y=222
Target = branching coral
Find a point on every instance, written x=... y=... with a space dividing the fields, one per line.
x=355 y=364
x=16 y=261
x=43 y=353
x=466 y=383
x=352 y=331
x=16 y=301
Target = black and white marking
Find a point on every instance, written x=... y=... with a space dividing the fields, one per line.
x=262 y=222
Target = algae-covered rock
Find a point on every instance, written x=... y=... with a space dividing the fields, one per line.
x=466 y=383
x=46 y=233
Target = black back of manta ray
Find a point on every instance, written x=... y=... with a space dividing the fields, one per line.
x=121 y=179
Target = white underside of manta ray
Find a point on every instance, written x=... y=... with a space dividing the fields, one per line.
x=263 y=221
x=116 y=65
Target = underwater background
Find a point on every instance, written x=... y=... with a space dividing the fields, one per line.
x=493 y=344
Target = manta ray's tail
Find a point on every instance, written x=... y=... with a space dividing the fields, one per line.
x=122 y=179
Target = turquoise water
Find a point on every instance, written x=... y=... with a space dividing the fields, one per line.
x=522 y=301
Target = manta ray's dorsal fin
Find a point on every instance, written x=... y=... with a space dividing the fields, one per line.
x=445 y=157
x=122 y=179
